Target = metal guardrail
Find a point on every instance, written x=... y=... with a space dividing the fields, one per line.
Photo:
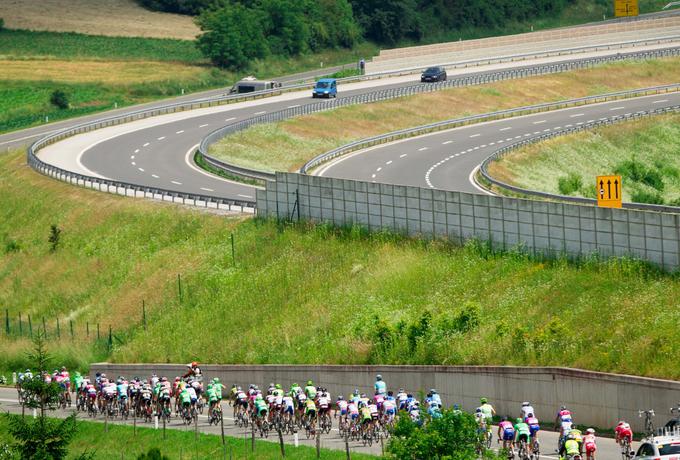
x=501 y=114
x=484 y=171
x=392 y=93
x=207 y=200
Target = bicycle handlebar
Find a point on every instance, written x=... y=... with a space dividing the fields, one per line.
x=646 y=412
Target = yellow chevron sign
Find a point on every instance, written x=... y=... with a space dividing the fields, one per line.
x=608 y=191
x=624 y=8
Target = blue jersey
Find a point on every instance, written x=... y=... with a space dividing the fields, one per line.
x=380 y=387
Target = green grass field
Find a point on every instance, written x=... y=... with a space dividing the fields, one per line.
x=644 y=152
x=98 y=72
x=289 y=144
x=120 y=443
x=308 y=294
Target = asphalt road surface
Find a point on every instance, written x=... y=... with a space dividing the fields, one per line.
x=448 y=159
x=607 y=449
x=157 y=152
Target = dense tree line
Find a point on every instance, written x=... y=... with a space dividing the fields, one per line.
x=237 y=31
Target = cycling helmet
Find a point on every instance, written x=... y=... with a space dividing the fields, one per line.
x=621 y=422
x=164 y=379
x=590 y=431
x=194 y=364
x=483 y=400
x=433 y=391
x=518 y=420
x=378 y=377
x=363 y=395
x=278 y=386
x=340 y=398
x=210 y=385
x=478 y=410
x=456 y=407
x=526 y=403
x=563 y=408
x=401 y=390
x=271 y=385
x=176 y=379
x=309 y=383
x=103 y=375
x=63 y=368
x=77 y=374
x=238 y=388
x=258 y=398
x=504 y=419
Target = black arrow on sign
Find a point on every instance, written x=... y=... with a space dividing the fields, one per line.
x=601 y=189
x=616 y=188
x=609 y=190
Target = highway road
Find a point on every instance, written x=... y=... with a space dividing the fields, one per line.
x=607 y=449
x=448 y=159
x=157 y=152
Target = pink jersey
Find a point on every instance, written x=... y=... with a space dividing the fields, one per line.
x=505 y=425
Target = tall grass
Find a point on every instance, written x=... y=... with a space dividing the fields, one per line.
x=643 y=152
x=298 y=293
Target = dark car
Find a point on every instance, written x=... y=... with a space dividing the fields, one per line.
x=433 y=74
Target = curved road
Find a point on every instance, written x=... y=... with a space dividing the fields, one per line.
x=448 y=159
x=156 y=152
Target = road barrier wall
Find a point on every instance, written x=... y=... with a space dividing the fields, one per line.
x=597 y=399
x=537 y=227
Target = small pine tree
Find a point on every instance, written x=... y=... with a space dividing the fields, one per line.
x=54 y=238
x=153 y=454
x=59 y=99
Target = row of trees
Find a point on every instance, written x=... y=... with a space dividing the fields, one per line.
x=238 y=31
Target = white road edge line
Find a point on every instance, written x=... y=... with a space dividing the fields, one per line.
x=659 y=101
x=244 y=196
x=475 y=135
x=230 y=119
x=576 y=115
x=203 y=126
x=175 y=182
x=207 y=189
x=505 y=129
x=188 y=160
x=616 y=108
x=472 y=180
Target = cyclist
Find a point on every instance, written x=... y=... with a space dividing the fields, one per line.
x=526 y=410
x=482 y=426
x=434 y=398
x=213 y=397
x=380 y=385
x=310 y=413
x=390 y=409
x=576 y=435
x=487 y=410
x=522 y=433
x=219 y=388
x=623 y=431
x=192 y=395
x=414 y=412
x=193 y=371
x=506 y=432
x=185 y=398
x=456 y=410
x=534 y=426
x=589 y=444
x=122 y=388
x=401 y=399
x=294 y=390
x=324 y=404
x=571 y=448
x=434 y=411
x=77 y=382
x=310 y=390
x=240 y=402
x=366 y=418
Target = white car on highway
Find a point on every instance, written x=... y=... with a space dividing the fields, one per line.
x=659 y=448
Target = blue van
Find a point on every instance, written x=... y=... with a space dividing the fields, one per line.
x=326 y=87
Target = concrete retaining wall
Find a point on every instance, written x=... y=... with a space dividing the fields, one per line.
x=537 y=226
x=596 y=399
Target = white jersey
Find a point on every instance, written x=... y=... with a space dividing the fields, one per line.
x=192 y=393
x=526 y=410
x=288 y=401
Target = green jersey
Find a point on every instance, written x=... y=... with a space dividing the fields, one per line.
x=310 y=391
x=212 y=395
x=185 y=397
x=219 y=389
x=522 y=428
x=294 y=390
x=261 y=405
x=78 y=380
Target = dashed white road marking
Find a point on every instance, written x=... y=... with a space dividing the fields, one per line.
x=660 y=101
x=590 y=121
x=475 y=135
x=230 y=119
x=422 y=149
x=379 y=169
x=517 y=137
x=175 y=182
x=132 y=157
x=373 y=176
x=180 y=131
x=539 y=122
x=537 y=132
x=145 y=145
x=136 y=150
x=446 y=142
x=482 y=146
x=161 y=138
x=141 y=169
x=505 y=129
x=133 y=163
x=546 y=130
x=207 y=189
x=403 y=155
x=389 y=162
x=616 y=108
x=576 y=115
x=557 y=127
x=260 y=113
x=154 y=176
x=203 y=126
x=568 y=126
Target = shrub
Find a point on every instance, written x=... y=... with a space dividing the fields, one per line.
x=153 y=454
x=54 y=238
x=2 y=23
x=12 y=246
x=59 y=99
x=643 y=196
x=636 y=171
x=570 y=184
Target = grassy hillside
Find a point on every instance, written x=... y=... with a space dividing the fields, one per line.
x=98 y=73
x=91 y=438
x=289 y=144
x=303 y=294
x=644 y=152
